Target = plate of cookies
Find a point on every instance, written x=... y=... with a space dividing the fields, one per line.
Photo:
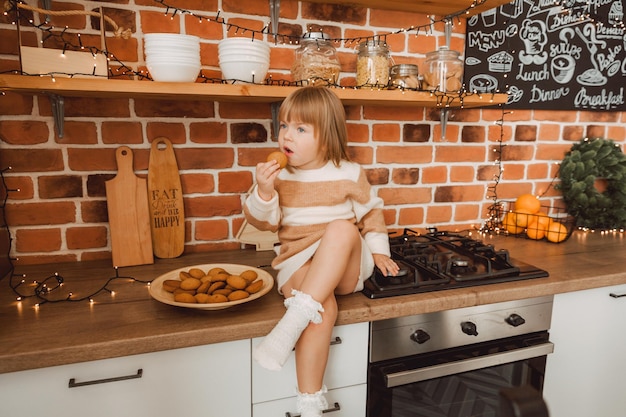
x=211 y=286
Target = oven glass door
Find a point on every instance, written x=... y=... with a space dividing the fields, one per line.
x=460 y=382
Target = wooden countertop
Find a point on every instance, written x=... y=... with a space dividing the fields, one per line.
x=131 y=322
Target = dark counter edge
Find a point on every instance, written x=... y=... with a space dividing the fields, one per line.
x=354 y=308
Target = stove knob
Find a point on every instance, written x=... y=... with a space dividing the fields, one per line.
x=420 y=336
x=515 y=320
x=469 y=328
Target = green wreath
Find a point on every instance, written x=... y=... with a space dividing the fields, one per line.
x=587 y=161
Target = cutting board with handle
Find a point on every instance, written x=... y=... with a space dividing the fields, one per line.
x=165 y=196
x=129 y=222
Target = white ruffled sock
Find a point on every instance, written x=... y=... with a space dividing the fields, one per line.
x=311 y=405
x=273 y=351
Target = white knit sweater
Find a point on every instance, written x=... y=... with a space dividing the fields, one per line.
x=307 y=200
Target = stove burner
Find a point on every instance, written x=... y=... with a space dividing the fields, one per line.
x=444 y=260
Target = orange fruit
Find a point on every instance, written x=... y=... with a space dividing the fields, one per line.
x=527 y=203
x=557 y=232
x=537 y=226
x=522 y=219
x=510 y=223
x=279 y=157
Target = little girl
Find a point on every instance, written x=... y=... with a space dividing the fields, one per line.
x=332 y=232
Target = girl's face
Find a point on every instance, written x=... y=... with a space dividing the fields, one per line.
x=297 y=140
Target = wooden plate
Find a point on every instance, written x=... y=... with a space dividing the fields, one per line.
x=158 y=293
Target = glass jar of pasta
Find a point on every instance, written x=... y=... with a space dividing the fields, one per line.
x=443 y=70
x=372 y=66
x=316 y=61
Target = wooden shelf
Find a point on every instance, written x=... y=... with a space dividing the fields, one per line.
x=436 y=7
x=248 y=93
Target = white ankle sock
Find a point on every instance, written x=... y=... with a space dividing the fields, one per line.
x=311 y=405
x=273 y=351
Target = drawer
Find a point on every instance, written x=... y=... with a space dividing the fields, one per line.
x=342 y=402
x=190 y=382
x=347 y=365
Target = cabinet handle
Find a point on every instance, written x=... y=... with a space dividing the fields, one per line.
x=337 y=341
x=336 y=407
x=74 y=384
x=614 y=295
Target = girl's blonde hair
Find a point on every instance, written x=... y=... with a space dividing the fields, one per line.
x=321 y=108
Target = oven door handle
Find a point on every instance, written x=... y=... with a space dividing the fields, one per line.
x=396 y=379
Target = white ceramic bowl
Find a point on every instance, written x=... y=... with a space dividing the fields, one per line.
x=244 y=71
x=173 y=71
x=171 y=37
x=233 y=42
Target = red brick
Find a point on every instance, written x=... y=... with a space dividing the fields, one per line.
x=459 y=193
x=157 y=22
x=459 y=153
x=124 y=133
x=234 y=182
x=83 y=133
x=197 y=183
x=438 y=214
x=461 y=174
x=32 y=160
x=86 y=237
x=71 y=21
x=19 y=188
x=94 y=211
x=405 y=176
x=208 y=132
x=211 y=230
x=466 y=212
x=23 y=132
x=30 y=214
x=386 y=132
x=60 y=186
x=358 y=132
x=204 y=158
x=403 y=155
x=175 y=132
x=174 y=108
x=412 y=195
x=377 y=176
x=15 y=104
x=434 y=175
x=39 y=240
x=411 y=216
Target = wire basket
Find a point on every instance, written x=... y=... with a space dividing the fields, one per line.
x=552 y=223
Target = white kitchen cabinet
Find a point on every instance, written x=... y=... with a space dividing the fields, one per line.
x=586 y=374
x=273 y=392
x=208 y=381
x=342 y=402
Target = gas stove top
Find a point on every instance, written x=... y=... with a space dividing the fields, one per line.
x=443 y=260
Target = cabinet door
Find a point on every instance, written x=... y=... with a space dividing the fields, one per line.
x=586 y=374
x=342 y=402
x=203 y=381
x=347 y=365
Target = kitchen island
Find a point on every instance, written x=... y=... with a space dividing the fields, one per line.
x=129 y=321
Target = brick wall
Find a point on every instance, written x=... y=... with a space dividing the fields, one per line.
x=59 y=213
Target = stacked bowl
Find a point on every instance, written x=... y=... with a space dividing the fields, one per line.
x=172 y=57
x=244 y=59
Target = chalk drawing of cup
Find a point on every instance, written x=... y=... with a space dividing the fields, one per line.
x=562 y=68
x=489 y=17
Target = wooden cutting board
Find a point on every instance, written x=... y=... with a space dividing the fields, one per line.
x=165 y=195
x=129 y=221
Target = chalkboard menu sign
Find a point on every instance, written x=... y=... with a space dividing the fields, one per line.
x=560 y=55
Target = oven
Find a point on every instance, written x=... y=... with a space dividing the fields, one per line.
x=454 y=363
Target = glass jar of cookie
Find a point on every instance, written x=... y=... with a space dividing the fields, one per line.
x=443 y=70
x=316 y=61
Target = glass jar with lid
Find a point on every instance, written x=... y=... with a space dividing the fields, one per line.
x=316 y=61
x=443 y=70
x=405 y=76
x=372 y=67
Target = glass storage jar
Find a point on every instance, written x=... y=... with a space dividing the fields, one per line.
x=316 y=61
x=372 y=67
x=405 y=76
x=443 y=70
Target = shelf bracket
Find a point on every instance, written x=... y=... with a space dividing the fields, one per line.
x=274 y=107
x=58 y=112
x=274 y=14
x=443 y=118
x=46 y=5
